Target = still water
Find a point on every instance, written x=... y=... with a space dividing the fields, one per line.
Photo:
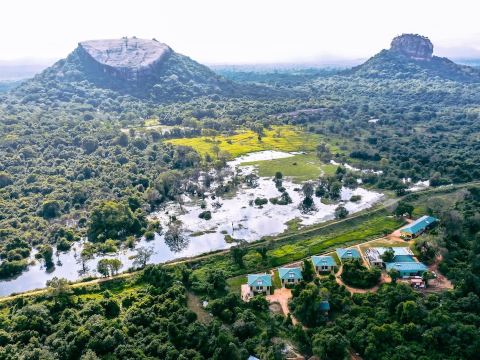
x=236 y=216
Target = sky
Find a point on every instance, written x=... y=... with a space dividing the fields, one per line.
x=240 y=31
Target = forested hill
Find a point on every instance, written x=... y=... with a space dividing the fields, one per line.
x=411 y=57
x=130 y=67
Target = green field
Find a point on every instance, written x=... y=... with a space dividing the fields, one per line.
x=300 y=167
x=277 y=284
x=281 y=138
x=340 y=235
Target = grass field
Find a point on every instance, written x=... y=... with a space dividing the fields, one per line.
x=234 y=284
x=300 y=167
x=281 y=138
x=277 y=284
x=340 y=236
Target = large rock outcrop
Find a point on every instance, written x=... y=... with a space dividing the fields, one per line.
x=414 y=46
x=127 y=58
x=145 y=69
x=411 y=57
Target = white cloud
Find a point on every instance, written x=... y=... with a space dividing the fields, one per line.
x=236 y=31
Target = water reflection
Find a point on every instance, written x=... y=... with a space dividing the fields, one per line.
x=176 y=239
x=237 y=218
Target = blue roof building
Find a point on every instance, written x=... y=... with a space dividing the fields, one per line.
x=258 y=284
x=407 y=269
x=290 y=275
x=397 y=250
x=418 y=226
x=259 y=280
x=348 y=254
x=324 y=306
x=324 y=263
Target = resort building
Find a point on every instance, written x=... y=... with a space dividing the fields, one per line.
x=417 y=227
x=323 y=264
x=401 y=254
x=290 y=276
x=259 y=284
x=348 y=254
x=407 y=269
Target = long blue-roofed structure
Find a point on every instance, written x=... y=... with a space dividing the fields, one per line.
x=418 y=226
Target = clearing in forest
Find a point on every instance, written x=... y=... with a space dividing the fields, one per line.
x=281 y=138
x=300 y=167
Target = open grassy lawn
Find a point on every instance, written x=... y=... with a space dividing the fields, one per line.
x=300 y=167
x=235 y=283
x=341 y=235
x=277 y=284
x=281 y=138
x=119 y=288
x=195 y=304
x=437 y=201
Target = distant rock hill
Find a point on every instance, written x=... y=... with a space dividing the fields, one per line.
x=411 y=56
x=128 y=59
x=145 y=69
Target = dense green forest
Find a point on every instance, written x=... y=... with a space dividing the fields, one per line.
x=426 y=130
x=79 y=158
x=149 y=315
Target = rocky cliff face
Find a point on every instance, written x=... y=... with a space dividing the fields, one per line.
x=145 y=69
x=411 y=57
x=414 y=46
x=126 y=58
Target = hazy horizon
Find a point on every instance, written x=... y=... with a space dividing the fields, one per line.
x=245 y=32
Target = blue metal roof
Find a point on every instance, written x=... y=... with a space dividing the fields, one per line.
x=419 y=225
x=259 y=279
x=290 y=273
x=323 y=261
x=350 y=253
x=397 y=250
x=406 y=266
x=324 y=305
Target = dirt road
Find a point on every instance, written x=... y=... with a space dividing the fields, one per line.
x=282 y=296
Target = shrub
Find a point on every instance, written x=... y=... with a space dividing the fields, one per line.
x=357 y=275
x=149 y=235
x=205 y=215
x=355 y=198
x=261 y=201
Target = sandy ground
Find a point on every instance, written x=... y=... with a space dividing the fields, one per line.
x=194 y=304
x=440 y=283
x=282 y=296
x=396 y=234
x=245 y=292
